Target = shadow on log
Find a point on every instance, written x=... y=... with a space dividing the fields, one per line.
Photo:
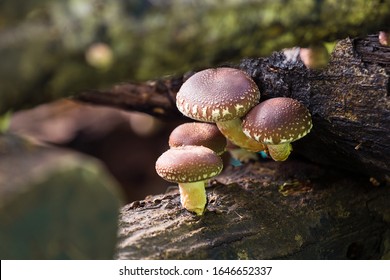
x=264 y=210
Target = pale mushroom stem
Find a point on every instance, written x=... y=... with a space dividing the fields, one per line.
x=232 y=130
x=193 y=196
x=279 y=152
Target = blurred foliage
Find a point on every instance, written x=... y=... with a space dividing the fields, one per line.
x=44 y=45
x=5 y=121
x=54 y=203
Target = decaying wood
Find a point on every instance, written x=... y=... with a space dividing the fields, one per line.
x=264 y=210
x=156 y=98
x=349 y=101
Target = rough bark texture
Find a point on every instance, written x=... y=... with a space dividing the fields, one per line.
x=349 y=101
x=264 y=210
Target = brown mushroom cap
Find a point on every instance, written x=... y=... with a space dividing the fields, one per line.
x=277 y=121
x=198 y=134
x=188 y=164
x=218 y=94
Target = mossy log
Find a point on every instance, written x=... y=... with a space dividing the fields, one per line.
x=264 y=210
x=44 y=45
x=348 y=99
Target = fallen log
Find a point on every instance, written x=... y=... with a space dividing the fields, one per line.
x=264 y=210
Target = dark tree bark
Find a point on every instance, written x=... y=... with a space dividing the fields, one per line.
x=157 y=98
x=349 y=101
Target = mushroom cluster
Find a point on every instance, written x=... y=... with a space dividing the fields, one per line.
x=193 y=159
x=226 y=102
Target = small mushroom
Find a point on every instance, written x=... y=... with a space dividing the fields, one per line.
x=314 y=57
x=383 y=38
x=221 y=95
x=190 y=167
x=277 y=122
x=198 y=134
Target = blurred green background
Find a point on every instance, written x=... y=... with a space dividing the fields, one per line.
x=50 y=49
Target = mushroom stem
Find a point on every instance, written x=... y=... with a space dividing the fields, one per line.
x=279 y=152
x=193 y=196
x=232 y=130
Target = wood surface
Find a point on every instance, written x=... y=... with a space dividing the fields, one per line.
x=264 y=210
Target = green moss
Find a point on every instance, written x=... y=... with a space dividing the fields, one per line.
x=5 y=121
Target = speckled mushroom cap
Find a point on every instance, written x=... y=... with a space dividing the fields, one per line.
x=198 y=134
x=188 y=164
x=277 y=121
x=218 y=94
